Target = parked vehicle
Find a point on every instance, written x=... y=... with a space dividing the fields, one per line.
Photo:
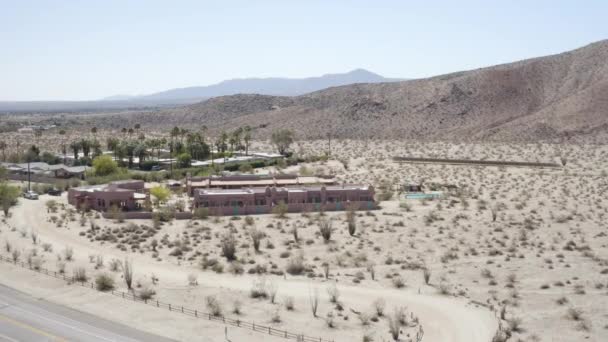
x=54 y=192
x=30 y=195
x=155 y=168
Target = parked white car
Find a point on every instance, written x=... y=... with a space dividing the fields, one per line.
x=30 y=195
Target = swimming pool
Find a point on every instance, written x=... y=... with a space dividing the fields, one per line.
x=423 y=195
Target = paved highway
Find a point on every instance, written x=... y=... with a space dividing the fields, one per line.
x=27 y=319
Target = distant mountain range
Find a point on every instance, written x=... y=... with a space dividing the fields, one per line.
x=182 y=96
x=558 y=97
x=264 y=86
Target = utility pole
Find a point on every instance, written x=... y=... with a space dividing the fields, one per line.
x=29 y=174
x=329 y=144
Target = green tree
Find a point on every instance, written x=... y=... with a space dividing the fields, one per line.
x=161 y=194
x=112 y=145
x=85 y=144
x=141 y=151
x=104 y=165
x=75 y=147
x=8 y=196
x=282 y=139
x=184 y=160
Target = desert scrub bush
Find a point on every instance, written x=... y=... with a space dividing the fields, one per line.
x=351 y=222
x=426 y=273
x=201 y=213
x=15 y=254
x=364 y=318
x=314 y=301
x=288 y=302
x=127 y=272
x=295 y=264
x=146 y=293
x=80 y=274
x=325 y=229
x=258 y=289
x=394 y=326
x=398 y=282
x=330 y=320
x=228 y=245
x=68 y=254
x=192 y=279
x=333 y=292
x=104 y=282
x=256 y=238
x=379 y=306
x=213 y=305
x=237 y=307
x=280 y=210
x=115 y=265
x=47 y=247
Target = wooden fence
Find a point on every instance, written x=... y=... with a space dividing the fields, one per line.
x=176 y=308
x=473 y=162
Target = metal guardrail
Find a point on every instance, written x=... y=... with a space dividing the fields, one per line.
x=175 y=308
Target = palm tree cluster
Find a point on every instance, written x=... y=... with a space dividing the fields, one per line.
x=181 y=143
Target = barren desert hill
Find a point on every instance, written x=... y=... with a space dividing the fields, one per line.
x=547 y=98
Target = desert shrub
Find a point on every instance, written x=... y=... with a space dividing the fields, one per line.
x=325 y=229
x=127 y=271
x=236 y=268
x=289 y=303
x=15 y=254
x=192 y=279
x=47 y=247
x=379 y=306
x=104 y=282
x=228 y=245
x=364 y=318
x=201 y=213
x=256 y=237
x=80 y=274
x=146 y=293
x=398 y=282
x=68 y=253
x=394 y=326
x=314 y=301
x=280 y=210
x=351 y=222
x=213 y=305
x=427 y=275
x=333 y=292
x=330 y=320
x=258 y=289
x=295 y=265
x=236 y=307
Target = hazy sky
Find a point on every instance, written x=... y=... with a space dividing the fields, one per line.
x=79 y=50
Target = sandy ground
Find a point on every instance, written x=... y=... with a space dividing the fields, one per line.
x=543 y=259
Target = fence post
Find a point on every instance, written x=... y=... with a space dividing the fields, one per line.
x=169 y=307
x=182 y=309
x=157 y=304
x=195 y=313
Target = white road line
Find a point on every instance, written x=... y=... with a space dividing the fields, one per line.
x=6 y=338
x=84 y=325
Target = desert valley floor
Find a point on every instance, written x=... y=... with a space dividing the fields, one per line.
x=523 y=248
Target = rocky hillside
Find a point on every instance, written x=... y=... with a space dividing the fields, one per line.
x=553 y=97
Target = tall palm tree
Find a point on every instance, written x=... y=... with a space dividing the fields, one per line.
x=94 y=133
x=75 y=146
x=3 y=146
x=247 y=138
x=85 y=144
x=63 y=147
